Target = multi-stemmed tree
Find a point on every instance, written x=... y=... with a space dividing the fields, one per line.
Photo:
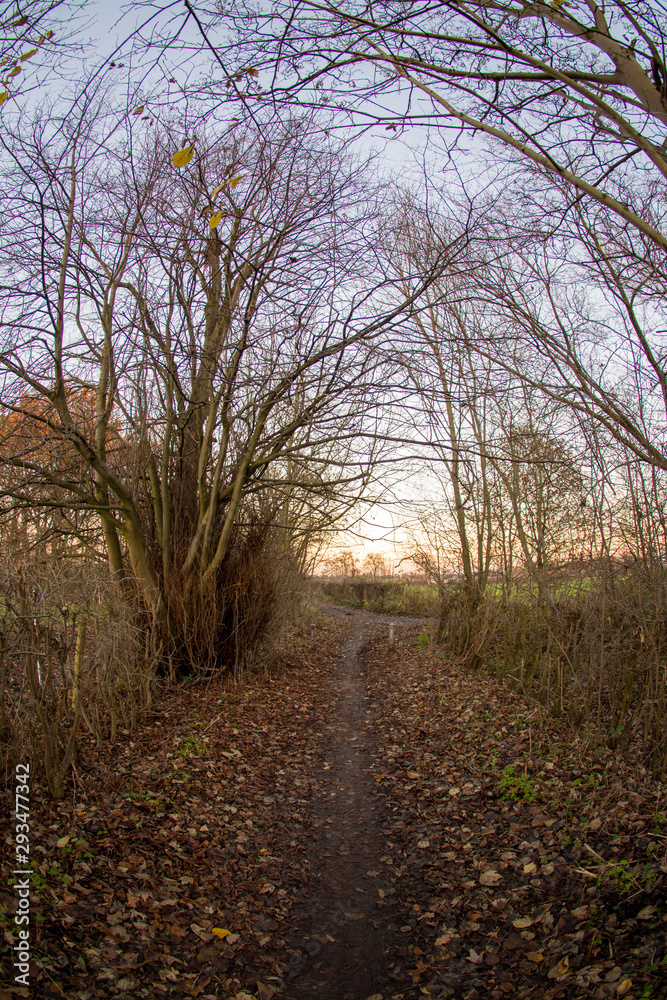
x=216 y=299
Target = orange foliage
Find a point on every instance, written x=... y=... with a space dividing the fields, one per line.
x=33 y=433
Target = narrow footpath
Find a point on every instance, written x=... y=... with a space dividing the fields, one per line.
x=339 y=912
x=353 y=823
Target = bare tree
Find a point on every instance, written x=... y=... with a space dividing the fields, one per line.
x=580 y=93
x=452 y=388
x=573 y=104
x=544 y=489
x=578 y=319
x=208 y=307
x=29 y=40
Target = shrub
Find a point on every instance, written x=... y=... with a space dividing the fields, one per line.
x=70 y=655
x=593 y=655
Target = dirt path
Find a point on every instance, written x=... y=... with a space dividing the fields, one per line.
x=338 y=828
x=339 y=920
x=345 y=921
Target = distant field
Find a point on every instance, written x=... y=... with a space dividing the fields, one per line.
x=399 y=597
x=384 y=596
x=557 y=588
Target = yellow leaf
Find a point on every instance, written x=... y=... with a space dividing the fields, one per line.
x=215 y=219
x=563 y=965
x=138 y=111
x=15 y=71
x=3 y=97
x=220 y=932
x=183 y=156
x=28 y=54
x=49 y=34
x=522 y=922
x=217 y=190
x=234 y=181
x=63 y=841
x=19 y=22
x=623 y=987
x=252 y=72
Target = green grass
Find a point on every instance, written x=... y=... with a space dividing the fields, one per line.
x=384 y=596
x=525 y=590
x=399 y=597
x=517 y=787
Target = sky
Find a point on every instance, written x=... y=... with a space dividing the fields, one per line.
x=406 y=157
x=400 y=156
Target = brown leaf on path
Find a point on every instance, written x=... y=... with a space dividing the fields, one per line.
x=539 y=820
x=202 y=934
x=490 y=878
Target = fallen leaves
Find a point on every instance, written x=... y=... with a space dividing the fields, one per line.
x=536 y=915
x=185 y=861
x=560 y=969
x=220 y=932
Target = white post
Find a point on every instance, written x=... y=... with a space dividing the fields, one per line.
x=391 y=636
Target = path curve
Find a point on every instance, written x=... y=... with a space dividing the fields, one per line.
x=368 y=618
